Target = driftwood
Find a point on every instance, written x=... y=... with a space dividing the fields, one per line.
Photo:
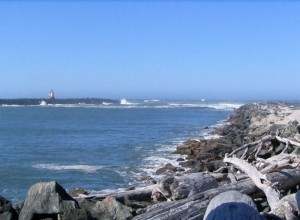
x=195 y=206
x=247 y=146
x=180 y=187
x=261 y=143
x=258 y=173
x=140 y=194
x=260 y=180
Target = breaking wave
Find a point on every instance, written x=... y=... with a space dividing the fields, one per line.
x=80 y=167
x=151 y=103
x=125 y=102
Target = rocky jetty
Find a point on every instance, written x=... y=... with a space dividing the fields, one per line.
x=250 y=171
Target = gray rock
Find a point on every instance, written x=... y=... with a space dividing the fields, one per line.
x=46 y=199
x=231 y=205
x=7 y=212
x=109 y=209
x=189 y=163
x=77 y=191
x=167 y=168
x=18 y=206
x=198 y=167
x=77 y=214
x=180 y=159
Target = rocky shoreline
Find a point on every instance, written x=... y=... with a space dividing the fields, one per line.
x=259 y=140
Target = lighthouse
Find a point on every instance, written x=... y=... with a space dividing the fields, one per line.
x=51 y=94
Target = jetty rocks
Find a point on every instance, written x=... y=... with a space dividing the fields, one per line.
x=250 y=170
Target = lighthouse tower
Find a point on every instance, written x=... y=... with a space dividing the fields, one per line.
x=51 y=94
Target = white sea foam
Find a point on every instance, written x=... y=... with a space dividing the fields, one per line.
x=151 y=100
x=5 y=105
x=43 y=103
x=225 y=106
x=219 y=106
x=80 y=167
x=106 y=103
x=159 y=161
x=125 y=102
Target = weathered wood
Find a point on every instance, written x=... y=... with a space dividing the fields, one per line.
x=284 y=141
x=293 y=200
x=280 y=161
x=180 y=187
x=195 y=206
x=139 y=194
x=282 y=209
x=252 y=144
x=260 y=180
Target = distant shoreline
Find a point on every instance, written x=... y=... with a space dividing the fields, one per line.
x=41 y=101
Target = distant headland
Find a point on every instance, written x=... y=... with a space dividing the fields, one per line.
x=52 y=100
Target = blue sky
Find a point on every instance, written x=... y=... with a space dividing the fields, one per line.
x=141 y=49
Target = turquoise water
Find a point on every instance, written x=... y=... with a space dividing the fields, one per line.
x=97 y=147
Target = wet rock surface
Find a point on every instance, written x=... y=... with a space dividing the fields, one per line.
x=46 y=200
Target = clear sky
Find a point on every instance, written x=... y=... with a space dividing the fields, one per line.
x=144 y=49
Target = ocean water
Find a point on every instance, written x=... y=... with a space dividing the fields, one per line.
x=97 y=147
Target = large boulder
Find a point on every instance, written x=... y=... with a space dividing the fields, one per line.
x=46 y=200
x=7 y=212
x=232 y=205
x=180 y=187
x=107 y=209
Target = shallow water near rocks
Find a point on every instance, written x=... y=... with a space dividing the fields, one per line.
x=97 y=147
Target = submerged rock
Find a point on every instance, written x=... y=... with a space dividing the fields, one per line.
x=46 y=199
x=168 y=168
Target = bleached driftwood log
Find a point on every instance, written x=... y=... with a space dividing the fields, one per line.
x=278 y=207
x=139 y=194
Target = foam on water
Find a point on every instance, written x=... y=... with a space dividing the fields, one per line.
x=106 y=103
x=218 y=106
x=80 y=167
x=125 y=102
x=224 y=106
x=5 y=105
x=151 y=100
x=153 y=103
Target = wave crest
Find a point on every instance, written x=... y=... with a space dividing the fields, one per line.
x=79 y=167
x=125 y=102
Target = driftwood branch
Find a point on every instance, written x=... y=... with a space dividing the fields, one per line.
x=252 y=144
x=278 y=207
x=258 y=178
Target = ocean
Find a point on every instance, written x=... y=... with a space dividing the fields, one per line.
x=98 y=147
